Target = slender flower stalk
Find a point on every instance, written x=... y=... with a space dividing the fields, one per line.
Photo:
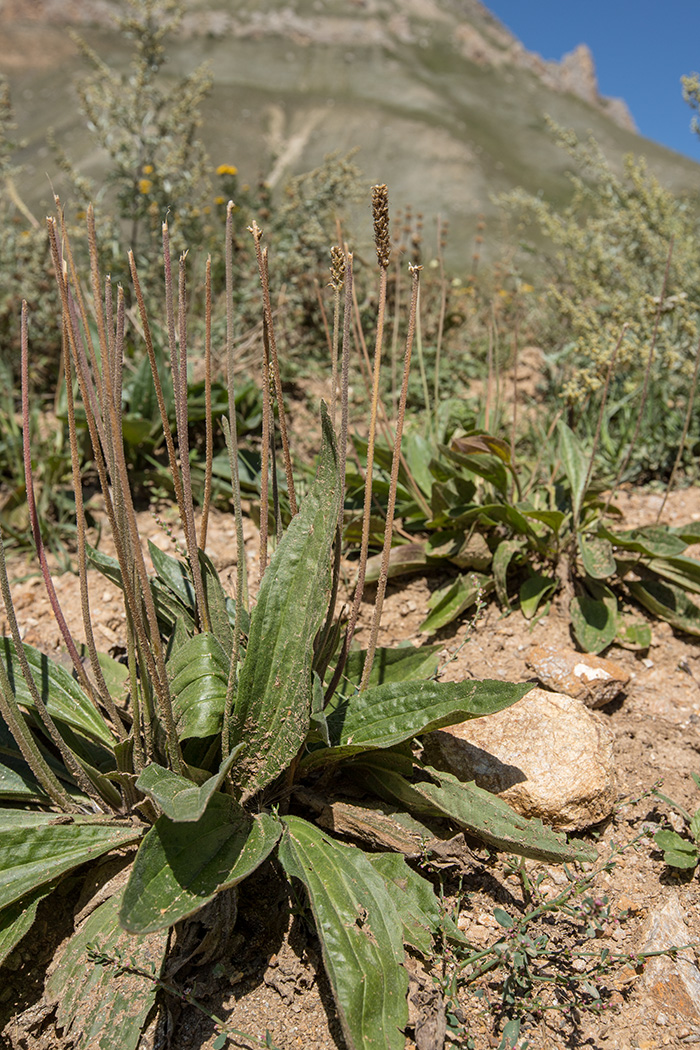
x=184 y=447
x=380 y=209
x=338 y=266
x=395 y=462
x=81 y=530
x=158 y=386
x=261 y=257
x=230 y=434
x=34 y=517
x=126 y=540
x=209 y=429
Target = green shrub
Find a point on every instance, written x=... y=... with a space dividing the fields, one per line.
x=610 y=250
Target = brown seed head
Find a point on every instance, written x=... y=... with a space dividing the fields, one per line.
x=337 y=267
x=380 y=212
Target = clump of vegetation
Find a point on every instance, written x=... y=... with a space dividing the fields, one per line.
x=230 y=728
x=623 y=256
x=532 y=533
x=548 y=961
x=146 y=125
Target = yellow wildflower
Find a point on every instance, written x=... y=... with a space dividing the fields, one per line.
x=145 y=186
x=148 y=169
x=227 y=169
x=219 y=200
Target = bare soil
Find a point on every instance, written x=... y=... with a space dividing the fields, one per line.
x=271 y=978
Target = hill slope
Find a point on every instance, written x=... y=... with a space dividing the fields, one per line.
x=445 y=105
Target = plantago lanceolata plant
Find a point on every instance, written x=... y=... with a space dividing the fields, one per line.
x=241 y=725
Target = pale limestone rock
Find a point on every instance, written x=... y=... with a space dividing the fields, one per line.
x=547 y=756
x=592 y=679
x=673 y=985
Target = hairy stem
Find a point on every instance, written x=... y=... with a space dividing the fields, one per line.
x=209 y=430
x=388 y=529
x=267 y=307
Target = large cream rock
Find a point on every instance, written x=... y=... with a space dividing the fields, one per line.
x=547 y=756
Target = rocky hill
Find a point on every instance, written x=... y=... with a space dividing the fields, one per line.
x=443 y=102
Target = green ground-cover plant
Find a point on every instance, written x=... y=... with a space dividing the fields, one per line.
x=680 y=851
x=548 y=957
x=230 y=728
x=532 y=533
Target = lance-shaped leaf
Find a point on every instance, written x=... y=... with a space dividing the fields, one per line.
x=480 y=813
x=175 y=574
x=179 y=798
x=455 y=599
x=33 y=854
x=404 y=664
x=667 y=602
x=389 y=714
x=198 y=672
x=553 y=519
x=17 y=782
x=594 y=618
x=217 y=606
x=17 y=919
x=417 y=450
x=170 y=607
x=685 y=572
x=657 y=541
x=273 y=705
x=96 y=1004
x=597 y=556
x=422 y=915
x=505 y=552
x=360 y=933
x=575 y=464
x=181 y=867
x=403 y=559
x=534 y=590
x=60 y=692
x=689 y=532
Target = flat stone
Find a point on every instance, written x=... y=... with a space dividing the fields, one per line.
x=592 y=679
x=673 y=985
x=547 y=756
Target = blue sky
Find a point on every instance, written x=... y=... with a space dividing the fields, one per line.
x=641 y=48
